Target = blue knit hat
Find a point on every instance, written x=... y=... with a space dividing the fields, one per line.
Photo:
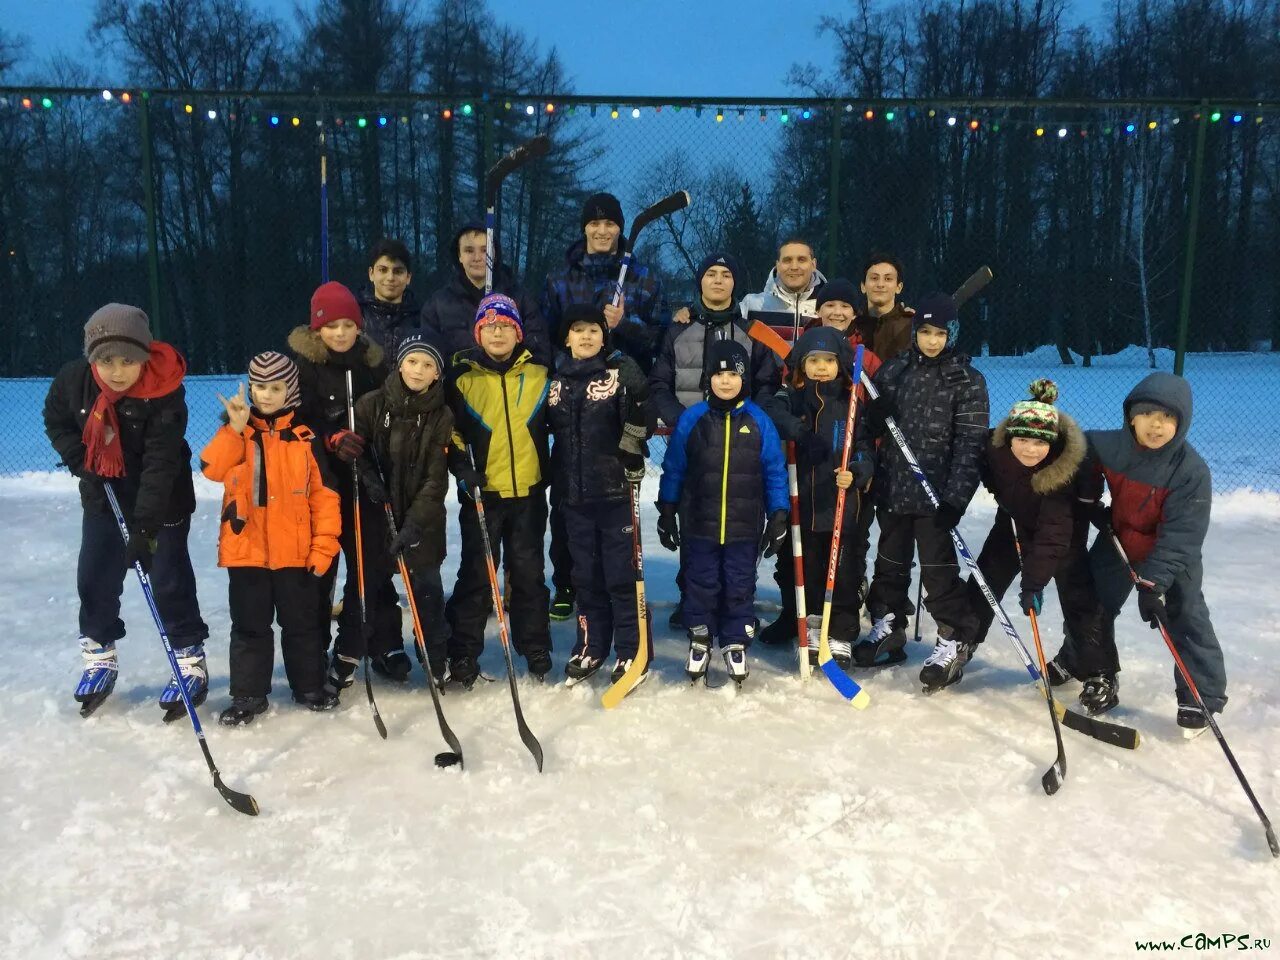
x=718 y=260
x=497 y=308
x=938 y=310
x=417 y=343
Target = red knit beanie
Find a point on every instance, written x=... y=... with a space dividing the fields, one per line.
x=332 y=301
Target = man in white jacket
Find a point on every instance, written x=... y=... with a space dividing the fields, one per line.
x=791 y=288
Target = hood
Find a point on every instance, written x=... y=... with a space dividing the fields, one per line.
x=776 y=287
x=307 y=344
x=500 y=271
x=1168 y=390
x=1064 y=459
x=821 y=340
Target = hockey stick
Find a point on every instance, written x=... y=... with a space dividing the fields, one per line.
x=797 y=561
x=364 y=612
x=616 y=692
x=239 y=802
x=419 y=638
x=663 y=208
x=847 y=687
x=530 y=741
x=538 y=146
x=1054 y=776
x=324 y=209
x=977 y=280
x=919 y=603
x=1208 y=714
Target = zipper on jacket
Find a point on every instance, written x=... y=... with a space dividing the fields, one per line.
x=724 y=477
x=511 y=443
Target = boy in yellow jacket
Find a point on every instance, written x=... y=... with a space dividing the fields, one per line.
x=279 y=536
x=499 y=450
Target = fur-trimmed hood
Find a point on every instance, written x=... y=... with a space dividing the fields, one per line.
x=1066 y=454
x=307 y=344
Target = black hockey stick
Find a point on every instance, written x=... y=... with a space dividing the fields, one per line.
x=239 y=802
x=977 y=280
x=1208 y=714
x=668 y=205
x=455 y=756
x=526 y=735
x=364 y=613
x=539 y=146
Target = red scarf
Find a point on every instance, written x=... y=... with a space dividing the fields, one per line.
x=161 y=374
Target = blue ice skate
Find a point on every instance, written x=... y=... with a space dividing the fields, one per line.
x=99 y=677
x=195 y=677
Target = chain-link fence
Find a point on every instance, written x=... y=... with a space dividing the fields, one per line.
x=1121 y=234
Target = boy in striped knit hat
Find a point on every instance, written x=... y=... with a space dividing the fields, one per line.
x=279 y=537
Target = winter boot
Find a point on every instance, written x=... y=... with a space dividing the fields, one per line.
x=463 y=670
x=99 y=677
x=1191 y=720
x=580 y=667
x=195 y=678
x=699 y=653
x=342 y=671
x=393 y=665
x=1100 y=693
x=945 y=665
x=735 y=661
x=539 y=663
x=1057 y=671
x=242 y=711
x=782 y=631
x=317 y=700
x=883 y=646
x=562 y=604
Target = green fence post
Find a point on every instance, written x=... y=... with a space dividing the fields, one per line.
x=149 y=207
x=833 y=192
x=1193 y=222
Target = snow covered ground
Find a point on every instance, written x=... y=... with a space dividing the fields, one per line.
x=773 y=822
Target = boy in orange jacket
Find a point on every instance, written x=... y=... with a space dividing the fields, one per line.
x=279 y=536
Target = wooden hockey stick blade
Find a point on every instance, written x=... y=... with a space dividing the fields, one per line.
x=663 y=208
x=979 y=279
x=617 y=692
x=538 y=146
x=1115 y=734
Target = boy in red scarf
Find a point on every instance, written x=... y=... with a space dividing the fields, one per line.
x=119 y=414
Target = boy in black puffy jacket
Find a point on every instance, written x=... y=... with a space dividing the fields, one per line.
x=597 y=412
x=940 y=404
x=812 y=410
x=724 y=473
x=407 y=424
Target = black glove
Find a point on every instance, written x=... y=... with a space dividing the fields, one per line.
x=632 y=466
x=409 y=535
x=668 y=526
x=1030 y=600
x=775 y=533
x=1099 y=515
x=470 y=481
x=883 y=408
x=373 y=488
x=345 y=445
x=947 y=517
x=864 y=471
x=142 y=545
x=632 y=378
x=812 y=448
x=1151 y=606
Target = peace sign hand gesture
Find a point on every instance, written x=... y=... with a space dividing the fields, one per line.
x=237 y=410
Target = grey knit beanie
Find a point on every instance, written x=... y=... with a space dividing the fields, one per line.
x=118 y=330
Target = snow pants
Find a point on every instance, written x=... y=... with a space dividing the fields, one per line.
x=1081 y=608
x=517 y=528
x=381 y=603
x=257 y=596
x=1189 y=624
x=101 y=572
x=944 y=590
x=560 y=551
x=428 y=595
x=604 y=578
x=720 y=588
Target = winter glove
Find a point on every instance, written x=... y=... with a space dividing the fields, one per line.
x=345 y=445
x=142 y=545
x=633 y=439
x=775 y=533
x=373 y=489
x=947 y=517
x=1099 y=514
x=632 y=466
x=668 y=526
x=864 y=472
x=883 y=408
x=409 y=535
x=1030 y=600
x=812 y=448
x=632 y=378
x=318 y=566
x=1151 y=606
x=470 y=481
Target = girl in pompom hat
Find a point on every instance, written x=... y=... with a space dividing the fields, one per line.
x=1035 y=465
x=269 y=464
x=119 y=414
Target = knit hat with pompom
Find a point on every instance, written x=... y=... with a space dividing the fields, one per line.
x=1037 y=418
